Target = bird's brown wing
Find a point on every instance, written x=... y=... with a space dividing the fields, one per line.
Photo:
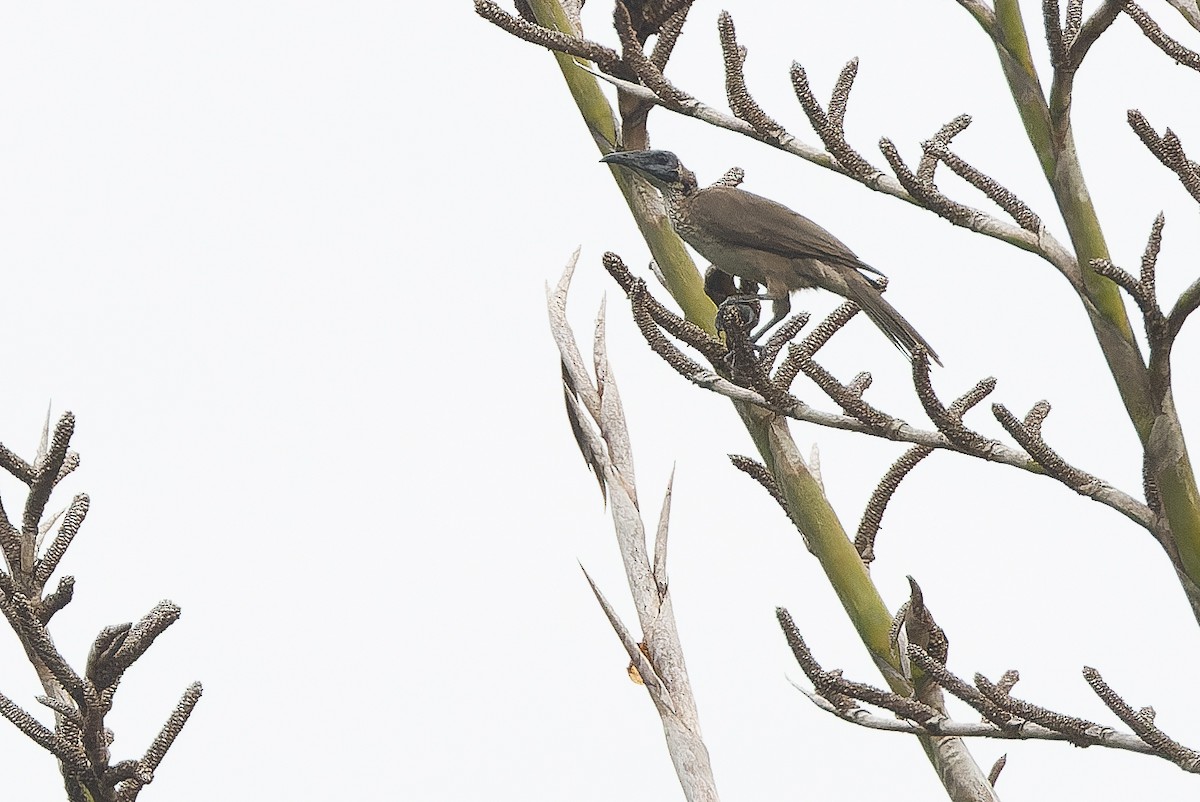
x=737 y=217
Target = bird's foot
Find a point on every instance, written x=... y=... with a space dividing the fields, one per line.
x=738 y=314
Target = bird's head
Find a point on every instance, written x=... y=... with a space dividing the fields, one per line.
x=660 y=167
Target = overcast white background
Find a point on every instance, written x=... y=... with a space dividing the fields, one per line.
x=285 y=262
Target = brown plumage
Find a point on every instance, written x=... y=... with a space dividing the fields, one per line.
x=753 y=237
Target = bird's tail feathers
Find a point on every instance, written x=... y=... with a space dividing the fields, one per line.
x=889 y=321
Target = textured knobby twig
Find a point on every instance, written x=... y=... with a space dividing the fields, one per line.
x=843 y=693
x=927 y=166
x=1145 y=394
x=926 y=193
x=1003 y=197
x=38 y=643
x=1078 y=730
x=826 y=539
x=10 y=539
x=138 y=639
x=1004 y=716
x=1142 y=294
x=141 y=772
x=1056 y=38
x=70 y=754
x=67 y=530
x=936 y=150
x=110 y=639
x=650 y=315
x=784 y=333
x=937 y=672
x=812 y=669
x=1069 y=35
x=761 y=474
x=1168 y=150
x=638 y=300
x=45 y=476
x=81 y=704
x=816 y=339
x=741 y=103
x=649 y=16
x=1069 y=43
x=868 y=528
x=58 y=599
x=830 y=126
x=1175 y=50
x=173 y=726
x=643 y=66
x=845 y=397
x=1143 y=725
x=693 y=335
x=756 y=375
x=848 y=397
x=668 y=35
x=1043 y=243
x=948 y=420
x=915 y=627
x=1028 y=435
x=603 y=57
x=14 y=465
x=1161 y=330
x=1026 y=731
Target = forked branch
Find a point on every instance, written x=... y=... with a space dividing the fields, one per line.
x=1005 y=716
x=81 y=701
x=757 y=386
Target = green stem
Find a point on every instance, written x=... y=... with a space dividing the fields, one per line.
x=1151 y=409
x=682 y=278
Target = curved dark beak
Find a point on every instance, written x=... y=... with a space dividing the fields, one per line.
x=660 y=167
x=623 y=157
x=633 y=159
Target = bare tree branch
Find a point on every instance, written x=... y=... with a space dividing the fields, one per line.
x=1168 y=150
x=1176 y=51
x=743 y=106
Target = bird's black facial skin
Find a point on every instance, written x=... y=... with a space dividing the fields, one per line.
x=660 y=167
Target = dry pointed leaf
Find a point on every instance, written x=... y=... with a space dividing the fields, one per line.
x=594 y=461
x=44 y=443
x=997 y=767
x=611 y=420
x=654 y=686
x=659 y=568
x=564 y=338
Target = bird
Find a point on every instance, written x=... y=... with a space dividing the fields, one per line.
x=755 y=238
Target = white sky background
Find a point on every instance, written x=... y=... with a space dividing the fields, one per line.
x=285 y=261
